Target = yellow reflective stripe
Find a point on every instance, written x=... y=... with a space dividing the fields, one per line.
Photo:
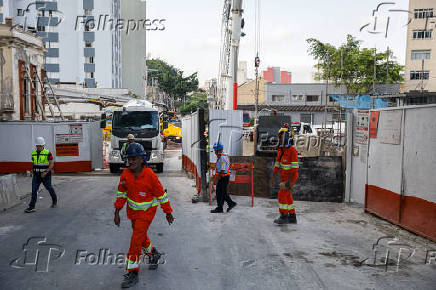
x=295 y=165
x=141 y=205
x=277 y=164
x=132 y=264
x=291 y=206
x=122 y=194
x=283 y=206
x=148 y=249
x=163 y=198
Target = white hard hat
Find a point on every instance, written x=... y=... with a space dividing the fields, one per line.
x=40 y=141
x=130 y=137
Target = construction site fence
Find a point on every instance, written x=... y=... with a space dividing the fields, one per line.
x=390 y=165
x=191 y=147
x=76 y=146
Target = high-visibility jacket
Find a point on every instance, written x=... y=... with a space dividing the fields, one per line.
x=41 y=160
x=223 y=164
x=287 y=162
x=142 y=194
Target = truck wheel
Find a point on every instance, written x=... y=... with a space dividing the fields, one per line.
x=114 y=168
x=159 y=167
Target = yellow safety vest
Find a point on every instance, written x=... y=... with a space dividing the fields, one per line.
x=41 y=162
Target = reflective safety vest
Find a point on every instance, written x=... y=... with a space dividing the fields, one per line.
x=40 y=163
x=287 y=159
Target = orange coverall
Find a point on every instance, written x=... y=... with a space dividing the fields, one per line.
x=287 y=163
x=142 y=195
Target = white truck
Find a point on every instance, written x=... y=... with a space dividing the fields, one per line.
x=140 y=118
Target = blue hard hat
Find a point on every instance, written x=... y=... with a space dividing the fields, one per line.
x=218 y=146
x=136 y=149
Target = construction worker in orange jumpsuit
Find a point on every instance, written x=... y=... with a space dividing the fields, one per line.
x=287 y=164
x=140 y=187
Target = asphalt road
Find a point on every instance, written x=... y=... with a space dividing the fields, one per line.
x=239 y=250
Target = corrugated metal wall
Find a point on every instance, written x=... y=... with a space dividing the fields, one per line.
x=226 y=126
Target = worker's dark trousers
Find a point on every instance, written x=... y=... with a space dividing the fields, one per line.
x=221 y=192
x=36 y=182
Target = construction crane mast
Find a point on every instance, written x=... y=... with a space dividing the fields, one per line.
x=230 y=37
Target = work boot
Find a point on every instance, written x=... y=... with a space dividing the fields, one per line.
x=153 y=259
x=231 y=206
x=130 y=279
x=217 y=210
x=54 y=205
x=292 y=218
x=282 y=220
x=29 y=209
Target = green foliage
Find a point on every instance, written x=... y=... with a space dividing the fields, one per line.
x=135 y=96
x=251 y=122
x=172 y=80
x=194 y=102
x=353 y=66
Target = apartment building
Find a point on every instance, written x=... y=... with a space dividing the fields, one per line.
x=84 y=44
x=420 y=70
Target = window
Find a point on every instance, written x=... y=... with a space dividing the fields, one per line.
x=297 y=97
x=420 y=75
x=278 y=98
x=422 y=34
x=88 y=44
x=306 y=118
x=421 y=54
x=423 y=13
x=312 y=98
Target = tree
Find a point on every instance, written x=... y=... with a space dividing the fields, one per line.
x=172 y=80
x=194 y=102
x=353 y=66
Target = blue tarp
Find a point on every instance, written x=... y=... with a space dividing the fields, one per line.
x=358 y=101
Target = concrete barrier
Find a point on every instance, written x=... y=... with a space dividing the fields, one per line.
x=8 y=191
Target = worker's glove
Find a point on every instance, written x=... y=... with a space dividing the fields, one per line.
x=283 y=186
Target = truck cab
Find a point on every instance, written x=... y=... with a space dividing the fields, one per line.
x=142 y=120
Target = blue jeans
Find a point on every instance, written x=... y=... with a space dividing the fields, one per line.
x=36 y=182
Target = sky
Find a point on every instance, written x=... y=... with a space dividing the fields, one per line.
x=191 y=39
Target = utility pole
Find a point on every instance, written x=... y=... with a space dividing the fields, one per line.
x=256 y=103
x=232 y=95
x=326 y=91
x=387 y=65
x=374 y=76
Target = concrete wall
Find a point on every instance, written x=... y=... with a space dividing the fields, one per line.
x=396 y=181
x=320 y=178
x=8 y=191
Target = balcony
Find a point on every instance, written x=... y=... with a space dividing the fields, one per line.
x=47 y=21
x=88 y=36
x=88 y=4
x=89 y=51
x=51 y=67
x=52 y=52
x=89 y=67
x=90 y=83
x=46 y=6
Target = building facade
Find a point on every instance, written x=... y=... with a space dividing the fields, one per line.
x=87 y=40
x=275 y=75
x=420 y=70
x=21 y=69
